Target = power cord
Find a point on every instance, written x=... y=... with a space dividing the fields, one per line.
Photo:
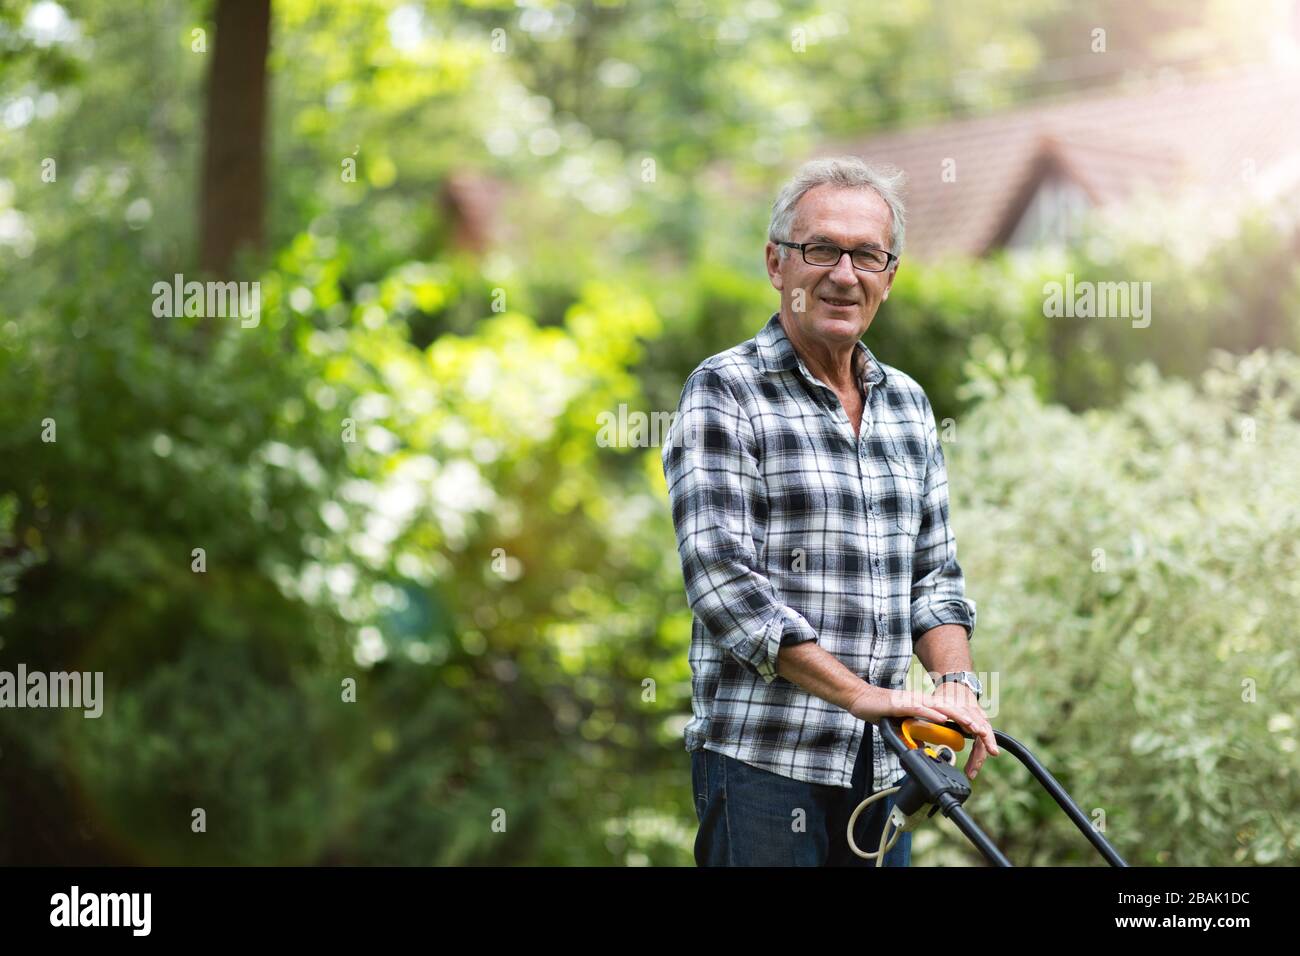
x=895 y=823
x=888 y=837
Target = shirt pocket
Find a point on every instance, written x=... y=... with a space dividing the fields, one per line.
x=907 y=477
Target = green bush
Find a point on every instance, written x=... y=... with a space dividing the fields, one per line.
x=1135 y=571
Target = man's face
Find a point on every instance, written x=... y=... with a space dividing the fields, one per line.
x=834 y=304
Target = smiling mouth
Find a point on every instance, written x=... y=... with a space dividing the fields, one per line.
x=842 y=303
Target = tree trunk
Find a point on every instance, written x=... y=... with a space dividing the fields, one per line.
x=230 y=216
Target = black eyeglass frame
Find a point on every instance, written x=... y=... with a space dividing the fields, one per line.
x=803 y=250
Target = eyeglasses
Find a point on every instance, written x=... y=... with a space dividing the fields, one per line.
x=829 y=254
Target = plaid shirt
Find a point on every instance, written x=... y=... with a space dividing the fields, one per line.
x=791 y=528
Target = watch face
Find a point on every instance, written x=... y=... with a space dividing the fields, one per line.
x=967 y=678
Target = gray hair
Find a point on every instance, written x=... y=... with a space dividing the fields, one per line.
x=848 y=172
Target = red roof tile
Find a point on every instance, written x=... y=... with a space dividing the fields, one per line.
x=1207 y=133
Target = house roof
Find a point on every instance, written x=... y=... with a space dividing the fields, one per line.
x=1239 y=131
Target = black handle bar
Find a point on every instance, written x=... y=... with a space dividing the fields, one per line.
x=890 y=730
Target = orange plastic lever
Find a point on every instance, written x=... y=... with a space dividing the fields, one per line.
x=917 y=731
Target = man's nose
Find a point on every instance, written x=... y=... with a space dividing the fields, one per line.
x=843 y=273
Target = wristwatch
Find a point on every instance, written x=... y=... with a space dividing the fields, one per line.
x=963 y=677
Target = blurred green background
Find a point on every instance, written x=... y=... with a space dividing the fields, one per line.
x=483 y=225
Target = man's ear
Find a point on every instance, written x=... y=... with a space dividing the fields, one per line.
x=772 y=258
x=889 y=283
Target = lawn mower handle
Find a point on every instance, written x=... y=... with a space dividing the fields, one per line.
x=895 y=729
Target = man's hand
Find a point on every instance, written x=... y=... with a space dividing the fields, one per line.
x=951 y=701
x=872 y=703
x=962 y=696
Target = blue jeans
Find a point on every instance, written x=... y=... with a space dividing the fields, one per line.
x=747 y=816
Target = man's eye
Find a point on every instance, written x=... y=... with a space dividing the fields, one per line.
x=822 y=253
x=869 y=257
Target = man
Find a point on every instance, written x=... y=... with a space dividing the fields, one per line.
x=810 y=500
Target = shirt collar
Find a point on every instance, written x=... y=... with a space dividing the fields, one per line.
x=775 y=352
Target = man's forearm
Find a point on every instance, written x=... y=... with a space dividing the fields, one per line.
x=941 y=650
x=819 y=672
x=944 y=649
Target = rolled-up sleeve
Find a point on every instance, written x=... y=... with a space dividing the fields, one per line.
x=938 y=587
x=719 y=510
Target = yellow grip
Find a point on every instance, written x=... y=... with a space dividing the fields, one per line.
x=917 y=731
